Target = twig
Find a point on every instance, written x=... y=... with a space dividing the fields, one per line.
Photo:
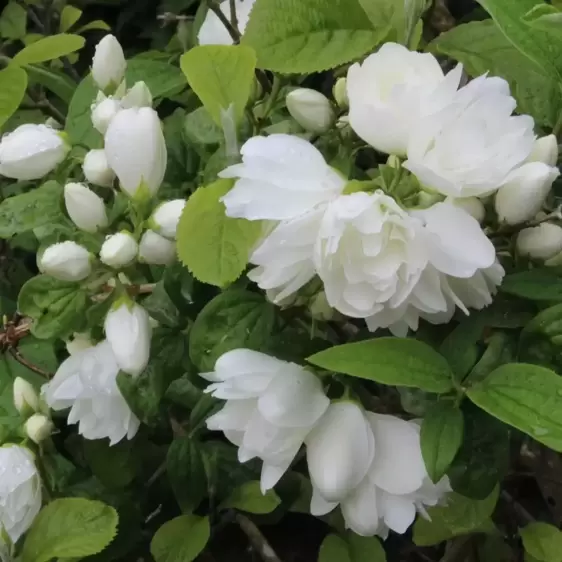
x=523 y=514
x=233 y=32
x=257 y=540
x=233 y=16
x=23 y=361
x=44 y=103
x=159 y=472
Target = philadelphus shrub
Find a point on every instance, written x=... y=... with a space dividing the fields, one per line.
x=260 y=296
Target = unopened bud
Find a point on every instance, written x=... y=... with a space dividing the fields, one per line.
x=103 y=113
x=119 y=250
x=540 y=242
x=97 y=170
x=156 y=250
x=166 y=217
x=472 y=205
x=340 y=93
x=26 y=399
x=310 y=109
x=85 y=208
x=38 y=428
x=138 y=96
x=66 y=261
x=109 y=64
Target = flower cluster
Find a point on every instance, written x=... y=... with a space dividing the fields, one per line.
x=369 y=464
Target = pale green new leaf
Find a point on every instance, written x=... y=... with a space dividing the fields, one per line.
x=13 y=21
x=525 y=396
x=49 y=48
x=221 y=76
x=249 y=497
x=213 y=246
x=13 y=83
x=543 y=542
x=180 y=540
x=68 y=17
x=303 y=36
x=70 y=528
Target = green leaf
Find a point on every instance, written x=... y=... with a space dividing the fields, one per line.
x=13 y=22
x=78 y=120
x=70 y=528
x=543 y=542
x=113 y=465
x=334 y=549
x=13 y=83
x=527 y=397
x=441 y=437
x=460 y=516
x=161 y=307
x=68 y=17
x=540 y=284
x=54 y=80
x=482 y=47
x=364 y=549
x=49 y=48
x=91 y=25
x=231 y=320
x=55 y=306
x=162 y=79
x=222 y=76
x=304 y=36
x=214 y=247
x=249 y=497
x=200 y=127
x=186 y=471
x=181 y=540
x=392 y=361
x=30 y=210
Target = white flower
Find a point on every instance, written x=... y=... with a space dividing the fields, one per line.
x=84 y=207
x=138 y=96
x=96 y=169
x=271 y=407
x=310 y=109
x=26 y=400
x=108 y=64
x=213 y=32
x=339 y=451
x=128 y=331
x=166 y=217
x=391 y=91
x=20 y=490
x=66 y=261
x=31 y=152
x=545 y=150
x=156 y=250
x=79 y=342
x=119 y=250
x=472 y=205
x=136 y=150
x=38 y=427
x=103 y=113
x=470 y=147
x=86 y=383
x=280 y=177
x=540 y=242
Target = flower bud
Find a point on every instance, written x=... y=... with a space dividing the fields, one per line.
x=38 y=427
x=26 y=399
x=166 y=217
x=523 y=195
x=156 y=250
x=540 y=242
x=66 y=261
x=339 y=92
x=128 y=331
x=136 y=150
x=310 y=109
x=119 y=250
x=108 y=64
x=84 y=207
x=138 y=96
x=545 y=150
x=472 y=205
x=79 y=342
x=103 y=113
x=97 y=170
x=31 y=152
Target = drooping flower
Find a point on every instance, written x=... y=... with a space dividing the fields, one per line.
x=271 y=407
x=31 y=152
x=166 y=217
x=108 y=64
x=96 y=168
x=86 y=383
x=155 y=249
x=20 y=490
x=213 y=31
x=119 y=250
x=540 y=242
x=67 y=261
x=391 y=91
x=84 y=207
x=310 y=109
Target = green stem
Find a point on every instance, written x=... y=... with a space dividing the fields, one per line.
x=276 y=87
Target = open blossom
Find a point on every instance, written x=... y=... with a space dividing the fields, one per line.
x=271 y=407
x=213 y=31
x=86 y=383
x=391 y=91
x=20 y=490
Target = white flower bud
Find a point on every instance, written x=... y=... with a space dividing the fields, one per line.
x=103 y=113
x=26 y=399
x=79 y=342
x=156 y=250
x=138 y=96
x=84 y=207
x=540 y=242
x=340 y=93
x=166 y=217
x=545 y=150
x=108 y=64
x=119 y=250
x=66 y=261
x=38 y=427
x=31 y=152
x=136 y=151
x=128 y=331
x=310 y=109
x=97 y=170
x=472 y=205
x=523 y=195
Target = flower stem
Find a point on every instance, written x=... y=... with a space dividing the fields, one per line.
x=257 y=540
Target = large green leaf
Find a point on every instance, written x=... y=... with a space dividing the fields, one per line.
x=180 y=540
x=540 y=284
x=527 y=397
x=70 y=528
x=393 y=361
x=250 y=498
x=13 y=22
x=303 y=36
x=214 y=247
x=49 y=48
x=13 y=83
x=162 y=79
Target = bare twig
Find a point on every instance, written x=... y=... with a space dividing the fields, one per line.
x=257 y=540
x=42 y=102
x=233 y=16
x=23 y=361
x=233 y=32
x=521 y=512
